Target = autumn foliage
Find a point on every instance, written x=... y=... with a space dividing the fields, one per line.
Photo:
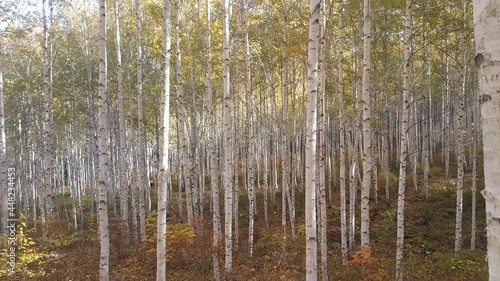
x=362 y=259
x=180 y=238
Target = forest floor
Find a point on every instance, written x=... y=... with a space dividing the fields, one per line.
x=429 y=243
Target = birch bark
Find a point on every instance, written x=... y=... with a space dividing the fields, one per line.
x=141 y=169
x=285 y=175
x=48 y=115
x=103 y=148
x=227 y=132
x=404 y=142
x=487 y=35
x=342 y=156
x=322 y=147
x=251 y=138
x=475 y=137
x=214 y=178
x=461 y=117
x=367 y=149
x=181 y=111
x=311 y=123
x=163 y=169
x=425 y=117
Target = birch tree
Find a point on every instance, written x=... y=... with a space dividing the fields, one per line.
x=367 y=149
x=311 y=123
x=342 y=156
x=163 y=170
x=475 y=137
x=446 y=120
x=251 y=136
x=122 y=155
x=194 y=162
x=460 y=138
x=353 y=152
x=286 y=197
x=274 y=178
x=284 y=127
x=214 y=178
x=322 y=147
x=181 y=113
x=425 y=114
x=48 y=115
x=227 y=135
x=237 y=136
x=134 y=184
x=141 y=169
x=404 y=142
x=103 y=148
x=487 y=36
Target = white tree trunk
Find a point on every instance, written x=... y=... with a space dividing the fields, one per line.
x=48 y=119
x=181 y=111
x=194 y=163
x=134 y=187
x=425 y=116
x=375 y=154
x=265 y=155
x=487 y=35
x=227 y=132
x=460 y=139
x=251 y=140
x=122 y=155
x=311 y=123
x=446 y=129
x=322 y=154
x=386 y=166
x=352 y=146
x=342 y=156
x=103 y=148
x=178 y=169
x=367 y=149
x=475 y=137
x=274 y=138
x=235 y=118
x=285 y=193
x=214 y=178
x=71 y=163
x=163 y=169
x=460 y=172
x=404 y=143
x=141 y=167
x=413 y=140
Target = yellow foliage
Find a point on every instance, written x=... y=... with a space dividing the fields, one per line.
x=177 y=234
x=21 y=252
x=178 y=239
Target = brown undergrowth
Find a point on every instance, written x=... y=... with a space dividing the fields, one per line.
x=67 y=254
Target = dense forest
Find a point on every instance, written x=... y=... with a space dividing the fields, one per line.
x=249 y=140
